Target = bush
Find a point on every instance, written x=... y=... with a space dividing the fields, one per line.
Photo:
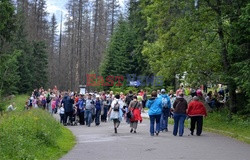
x=32 y=135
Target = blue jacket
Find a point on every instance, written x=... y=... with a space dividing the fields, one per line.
x=154 y=105
x=81 y=104
x=98 y=105
x=167 y=97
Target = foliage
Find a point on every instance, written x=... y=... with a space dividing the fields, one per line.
x=23 y=63
x=6 y=19
x=33 y=134
x=236 y=127
x=9 y=73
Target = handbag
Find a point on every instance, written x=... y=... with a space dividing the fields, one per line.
x=130 y=113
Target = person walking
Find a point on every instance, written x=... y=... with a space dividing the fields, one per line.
x=105 y=107
x=155 y=109
x=166 y=105
x=61 y=113
x=135 y=114
x=98 y=104
x=81 y=109
x=180 y=107
x=115 y=112
x=196 y=110
x=67 y=103
x=90 y=106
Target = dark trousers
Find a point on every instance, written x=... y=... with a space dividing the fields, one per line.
x=198 y=120
x=81 y=117
x=61 y=118
x=97 y=116
x=105 y=112
x=68 y=114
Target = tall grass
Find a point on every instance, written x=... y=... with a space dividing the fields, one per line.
x=33 y=134
x=236 y=126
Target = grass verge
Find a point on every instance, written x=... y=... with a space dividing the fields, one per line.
x=238 y=127
x=218 y=122
x=33 y=134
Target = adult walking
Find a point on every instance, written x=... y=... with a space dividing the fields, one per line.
x=196 y=111
x=180 y=107
x=81 y=109
x=155 y=109
x=67 y=103
x=135 y=114
x=166 y=105
x=105 y=107
x=115 y=112
x=90 y=106
x=98 y=106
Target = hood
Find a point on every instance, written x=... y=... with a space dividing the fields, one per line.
x=164 y=95
x=151 y=101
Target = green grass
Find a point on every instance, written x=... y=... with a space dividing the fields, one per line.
x=19 y=102
x=237 y=127
x=33 y=134
x=218 y=122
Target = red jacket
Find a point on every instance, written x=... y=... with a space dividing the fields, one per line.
x=196 y=108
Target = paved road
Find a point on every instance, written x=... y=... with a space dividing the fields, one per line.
x=100 y=142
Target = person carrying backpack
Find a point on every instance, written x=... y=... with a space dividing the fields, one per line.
x=115 y=112
x=128 y=99
x=166 y=105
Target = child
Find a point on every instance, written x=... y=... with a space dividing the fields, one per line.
x=61 y=112
x=53 y=105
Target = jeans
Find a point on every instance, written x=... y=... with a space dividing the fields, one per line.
x=97 y=116
x=164 y=118
x=88 y=114
x=179 y=120
x=196 y=120
x=153 y=119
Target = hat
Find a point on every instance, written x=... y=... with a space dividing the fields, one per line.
x=163 y=91
x=195 y=98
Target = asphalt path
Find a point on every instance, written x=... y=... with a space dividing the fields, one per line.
x=101 y=143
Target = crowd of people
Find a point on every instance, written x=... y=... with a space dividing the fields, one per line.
x=99 y=107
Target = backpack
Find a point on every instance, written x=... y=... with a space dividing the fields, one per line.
x=164 y=102
x=48 y=99
x=116 y=107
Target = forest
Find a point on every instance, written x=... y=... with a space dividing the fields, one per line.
x=205 y=41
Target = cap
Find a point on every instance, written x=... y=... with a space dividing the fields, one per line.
x=163 y=91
